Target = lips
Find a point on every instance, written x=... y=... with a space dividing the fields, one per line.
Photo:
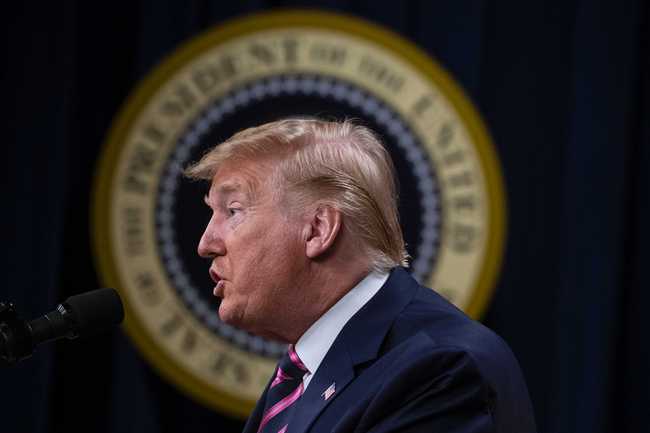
x=218 y=289
x=214 y=275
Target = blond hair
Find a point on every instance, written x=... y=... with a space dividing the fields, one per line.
x=342 y=163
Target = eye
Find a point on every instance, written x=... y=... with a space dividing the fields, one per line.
x=233 y=209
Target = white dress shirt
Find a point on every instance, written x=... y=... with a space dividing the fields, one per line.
x=317 y=340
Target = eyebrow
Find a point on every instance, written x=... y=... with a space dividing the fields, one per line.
x=229 y=188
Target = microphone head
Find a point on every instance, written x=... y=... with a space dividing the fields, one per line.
x=95 y=311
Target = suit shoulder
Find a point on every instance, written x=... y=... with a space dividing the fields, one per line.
x=444 y=323
x=445 y=337
x=448 y=328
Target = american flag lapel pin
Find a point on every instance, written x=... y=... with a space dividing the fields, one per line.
x=329 y=391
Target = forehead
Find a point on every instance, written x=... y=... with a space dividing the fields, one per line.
x=240 y=177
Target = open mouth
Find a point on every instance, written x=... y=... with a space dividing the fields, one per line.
x=215 y=276
x=218 y=288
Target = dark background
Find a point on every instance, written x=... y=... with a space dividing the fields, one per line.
x=564 y=89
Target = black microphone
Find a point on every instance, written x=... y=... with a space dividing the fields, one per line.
x=79 y=316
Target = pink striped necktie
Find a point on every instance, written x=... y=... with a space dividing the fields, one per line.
x=286 y=388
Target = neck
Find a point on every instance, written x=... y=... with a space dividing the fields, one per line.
x=326 y=284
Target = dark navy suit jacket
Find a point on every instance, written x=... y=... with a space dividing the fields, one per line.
x=409 y=361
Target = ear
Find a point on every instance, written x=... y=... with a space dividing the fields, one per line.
x=323 y=229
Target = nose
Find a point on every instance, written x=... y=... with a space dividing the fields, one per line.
x=211 y=243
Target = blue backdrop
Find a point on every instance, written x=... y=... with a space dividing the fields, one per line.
x=564 y=87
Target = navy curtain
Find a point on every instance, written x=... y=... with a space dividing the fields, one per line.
x=564 y=87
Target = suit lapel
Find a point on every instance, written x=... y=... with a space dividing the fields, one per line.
x=337 y=370
x=359 y=341
x=253 y=421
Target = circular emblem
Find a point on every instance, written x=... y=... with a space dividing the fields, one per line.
x=148 y=219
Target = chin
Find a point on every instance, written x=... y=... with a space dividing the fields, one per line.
x=233 y=318
x=226 y=316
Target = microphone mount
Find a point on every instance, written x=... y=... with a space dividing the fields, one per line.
x=15 y=337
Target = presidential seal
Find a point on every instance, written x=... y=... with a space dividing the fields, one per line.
x=148 y=219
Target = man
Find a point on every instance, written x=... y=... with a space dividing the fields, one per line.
x=306 y=249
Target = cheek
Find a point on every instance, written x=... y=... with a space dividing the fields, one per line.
x=266 y=258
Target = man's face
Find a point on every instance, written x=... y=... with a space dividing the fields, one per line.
x=256 y=249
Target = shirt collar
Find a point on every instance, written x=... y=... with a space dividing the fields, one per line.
x=317 y=340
